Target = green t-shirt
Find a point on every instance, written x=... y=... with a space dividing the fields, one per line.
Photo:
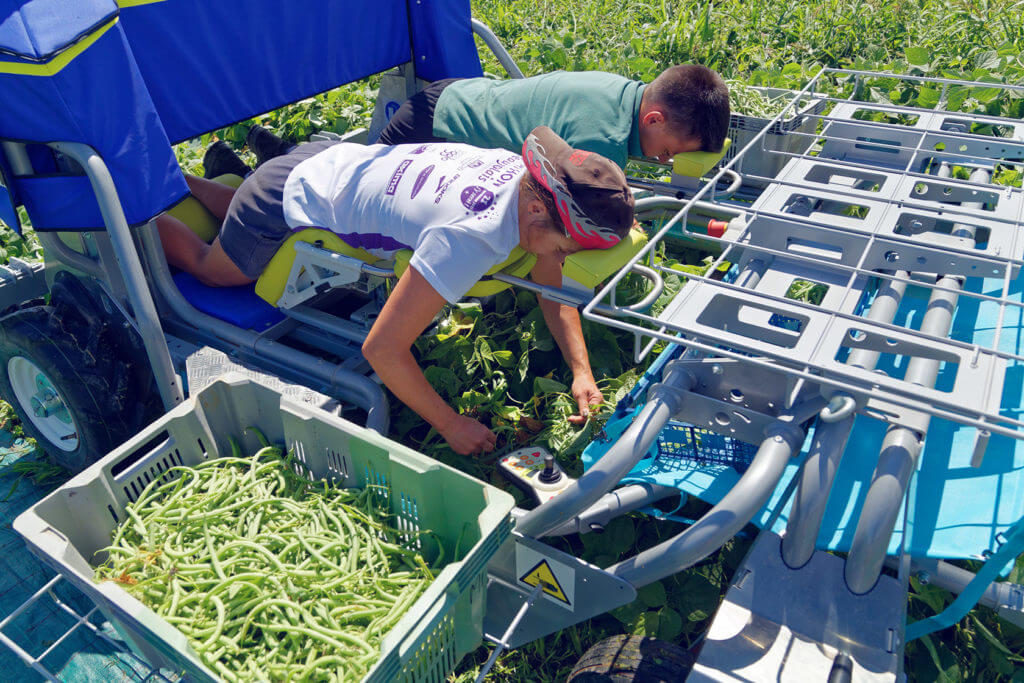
x=591 y=110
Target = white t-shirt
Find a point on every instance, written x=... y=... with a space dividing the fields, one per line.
x=454 y=205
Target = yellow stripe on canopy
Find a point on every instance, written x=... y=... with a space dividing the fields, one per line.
x=60 y=61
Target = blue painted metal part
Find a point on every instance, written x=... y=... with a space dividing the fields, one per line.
x=1011 y=547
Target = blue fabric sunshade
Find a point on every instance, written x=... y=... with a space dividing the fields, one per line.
x=130 y=81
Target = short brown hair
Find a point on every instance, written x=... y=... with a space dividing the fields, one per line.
x=696 y=101
x=537 y=191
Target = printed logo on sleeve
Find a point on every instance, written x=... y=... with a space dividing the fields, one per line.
x=396 y=177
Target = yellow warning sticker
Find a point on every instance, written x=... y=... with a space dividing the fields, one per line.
x=541 y=574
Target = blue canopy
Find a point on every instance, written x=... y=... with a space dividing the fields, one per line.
x=131 y=80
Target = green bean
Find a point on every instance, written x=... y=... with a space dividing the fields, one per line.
x=267 y=573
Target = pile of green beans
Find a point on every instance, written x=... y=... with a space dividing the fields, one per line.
x=747 y=101
x=270 y=575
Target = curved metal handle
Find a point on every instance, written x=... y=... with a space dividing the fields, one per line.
x=492 y=42
x=840 y=407
x=734 y=185
x=658 y=286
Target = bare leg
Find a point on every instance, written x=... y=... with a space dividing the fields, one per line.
x=214 y=196
x=207 y=262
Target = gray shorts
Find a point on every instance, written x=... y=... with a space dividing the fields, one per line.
x=254 y=226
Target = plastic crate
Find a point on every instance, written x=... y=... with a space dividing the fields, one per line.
x=67 y=528
x=767 y=158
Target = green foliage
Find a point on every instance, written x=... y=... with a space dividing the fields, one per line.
x=24 y=246
x=336 y=111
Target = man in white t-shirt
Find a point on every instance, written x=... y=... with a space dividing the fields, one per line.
x=460 y=209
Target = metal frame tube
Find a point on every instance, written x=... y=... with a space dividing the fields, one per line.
x=819 y=470
x=732 y=513
x=131 y=269
x=954 y=579
x=615 y=504
x=902 y=446
x=495 y=46
x=350 y=386
x=666 y=399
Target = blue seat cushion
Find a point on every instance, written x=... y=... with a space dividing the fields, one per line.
x=236 y=305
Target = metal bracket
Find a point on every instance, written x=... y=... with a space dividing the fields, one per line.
x=734 y=399
x=590 y=590
x=317 y=270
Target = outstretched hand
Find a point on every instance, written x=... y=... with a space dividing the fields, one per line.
x=467 y=436
x=587 y=395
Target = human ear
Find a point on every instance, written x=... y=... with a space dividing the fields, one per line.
x=536 y=207
x=653 y=117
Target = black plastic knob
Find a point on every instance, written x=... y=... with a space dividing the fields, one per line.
x=549 y=475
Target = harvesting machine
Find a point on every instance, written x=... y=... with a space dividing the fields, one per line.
x=871 y=435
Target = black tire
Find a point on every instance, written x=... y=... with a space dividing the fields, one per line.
x=86 y=353
x=84 y=312
x=632 y=659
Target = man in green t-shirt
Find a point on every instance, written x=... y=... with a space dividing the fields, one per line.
x=685 y=109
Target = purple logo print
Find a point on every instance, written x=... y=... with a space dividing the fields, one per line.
x=396 y=177
x=419 y=150
x=421 y=180
x=476 y=198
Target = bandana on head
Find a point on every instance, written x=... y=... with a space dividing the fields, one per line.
x=575 y=221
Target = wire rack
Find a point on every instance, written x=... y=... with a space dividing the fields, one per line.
x=89 y=622
x=873 y=199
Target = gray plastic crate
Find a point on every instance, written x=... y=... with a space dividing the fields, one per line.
x=764 y=159
x=67 y=528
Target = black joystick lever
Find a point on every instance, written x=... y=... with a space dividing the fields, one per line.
x=549 y=475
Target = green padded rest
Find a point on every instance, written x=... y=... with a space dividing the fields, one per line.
x=593 y=266
x=696 y=164
x=196 y=216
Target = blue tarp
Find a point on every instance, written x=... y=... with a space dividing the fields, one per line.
x=142 y=76
x=81 y=656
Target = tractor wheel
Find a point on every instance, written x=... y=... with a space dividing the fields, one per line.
x=632 y=659
x=71 y=371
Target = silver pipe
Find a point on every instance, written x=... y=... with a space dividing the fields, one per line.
x=665 y=400
x=350 y=386
x=20 y=163
x=131 y=269
x=55 y=248
x=17 y=157
x=645 y=204
x=901 y=446
x=752 y=273
x=1006 y=598
x=615 y=504
x=319 y=319
x=819 y=471
x=736 y=509
x=495 y=46
x=576 y=299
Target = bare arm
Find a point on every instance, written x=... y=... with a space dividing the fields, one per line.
x=388 y=349
x=564 y=323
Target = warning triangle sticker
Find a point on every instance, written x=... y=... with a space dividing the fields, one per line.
x=542 y=574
